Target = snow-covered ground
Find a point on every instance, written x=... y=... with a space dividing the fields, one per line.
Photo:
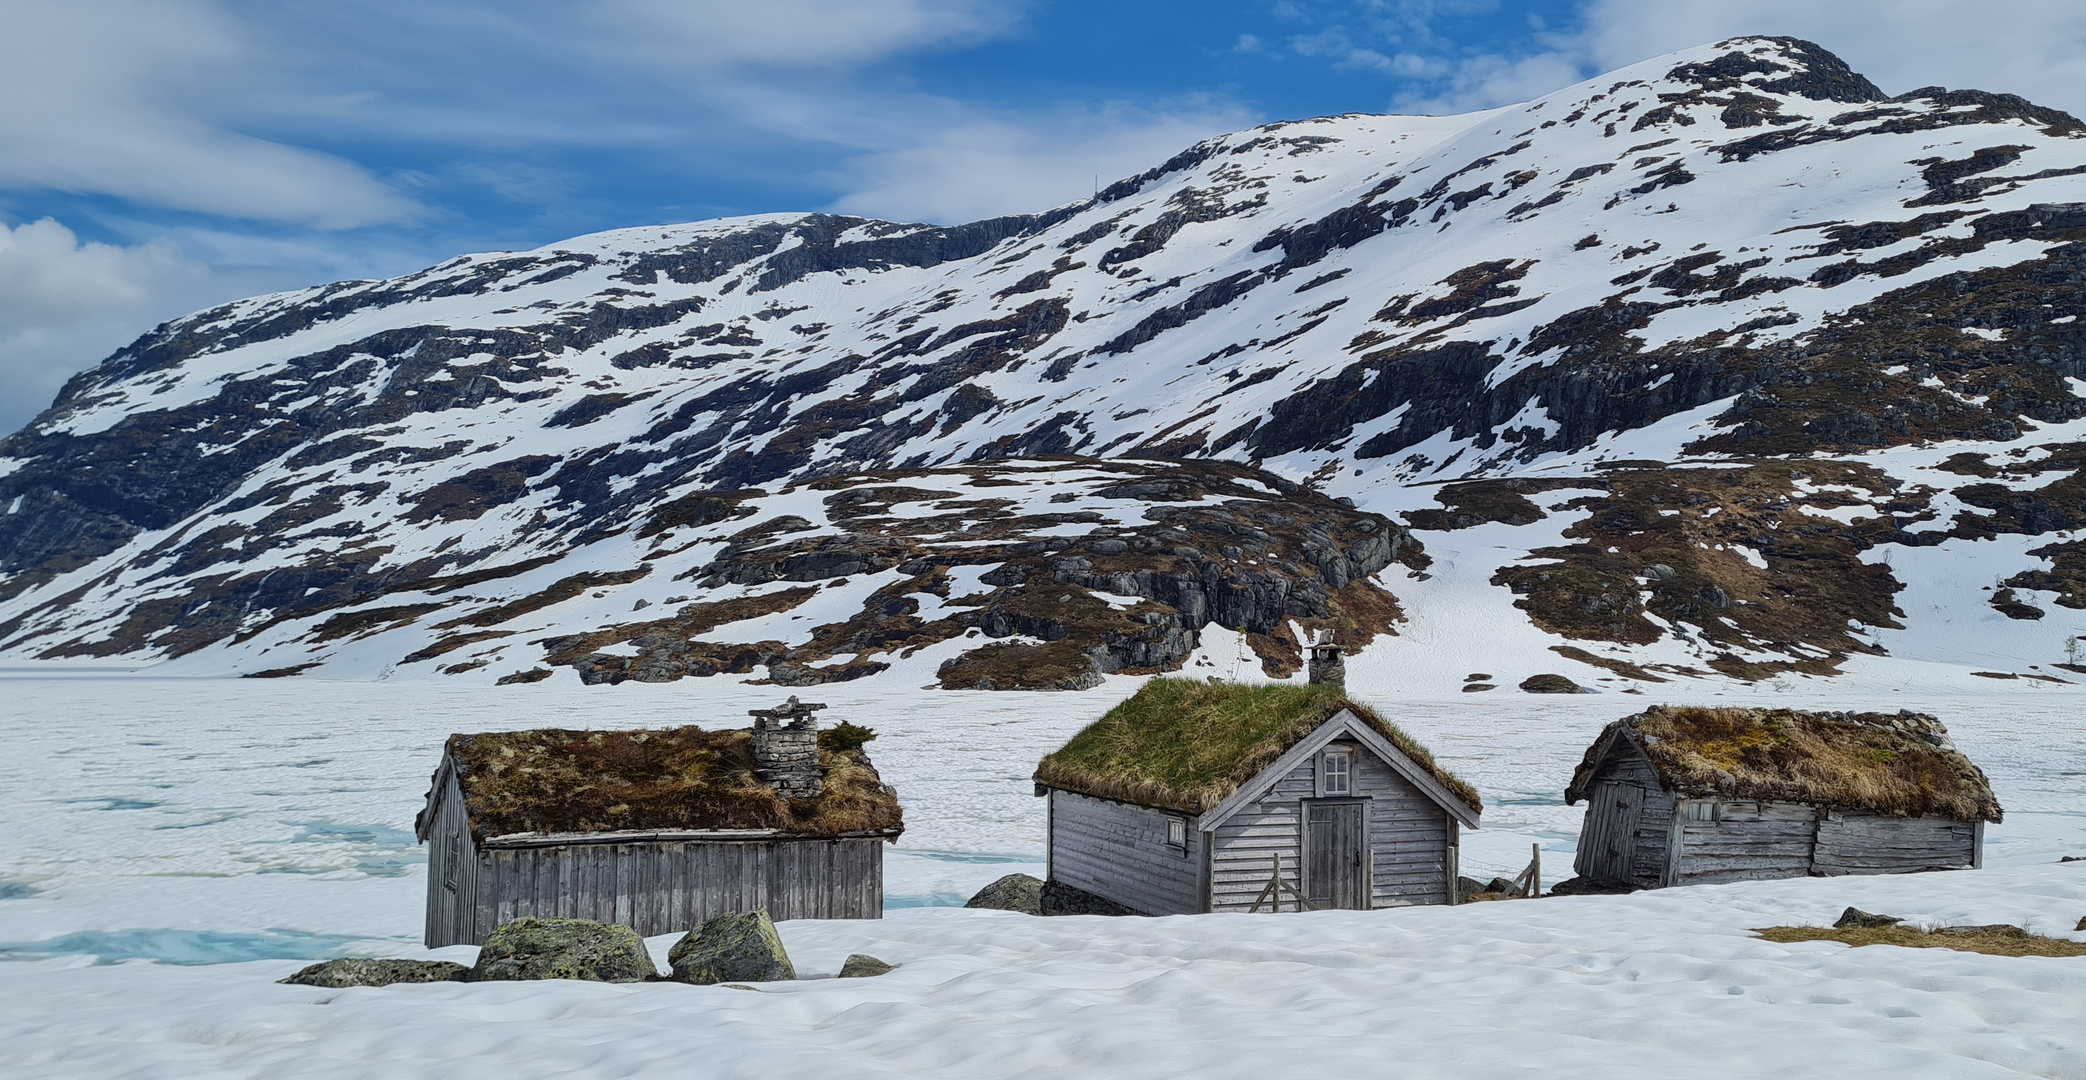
x=172 y=846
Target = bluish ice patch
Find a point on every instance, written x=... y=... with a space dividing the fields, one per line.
x=964 y=856
x=116 y=802
x=375 y=850
x=934 y=899
x=185 y=946
x=16 y=889
x=1526 y=800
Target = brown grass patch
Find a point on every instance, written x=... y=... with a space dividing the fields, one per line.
x=560 y=780
x=1852 y=761
x=1991 y=940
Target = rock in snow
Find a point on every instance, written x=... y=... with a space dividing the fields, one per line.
x=736 y=947
x=370 y=971
x=532 y=948
x=1015 y=892
x=859 y=966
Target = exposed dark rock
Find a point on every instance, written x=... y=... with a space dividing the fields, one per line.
x=368 y=971
x=735 y=947
x=1015 y=892
x=532 y=948
x=1062 y=899
x=863 y=966
x=1550 y=684
x=1859 y=918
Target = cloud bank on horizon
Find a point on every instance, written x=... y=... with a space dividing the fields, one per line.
x=157 y=157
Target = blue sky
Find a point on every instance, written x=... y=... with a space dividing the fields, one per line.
x=157 y=156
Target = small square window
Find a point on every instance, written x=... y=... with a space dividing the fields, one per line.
x=1176 y=832
x=1701 y=810
x=1336 y=774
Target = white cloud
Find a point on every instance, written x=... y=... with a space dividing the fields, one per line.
x=65 y=304
x=106 y=97
x=792 y=34
x=988 y=166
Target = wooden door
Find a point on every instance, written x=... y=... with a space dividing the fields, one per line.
x=1335 y=854
x=1608 y=849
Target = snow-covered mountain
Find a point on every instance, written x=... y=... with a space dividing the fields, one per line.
x=1725 y=362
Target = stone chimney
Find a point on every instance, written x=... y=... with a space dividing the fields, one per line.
x=1327 y=668
x=785 y=749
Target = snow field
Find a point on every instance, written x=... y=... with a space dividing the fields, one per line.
x=261 y=824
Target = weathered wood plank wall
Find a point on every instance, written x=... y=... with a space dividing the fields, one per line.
x=1408 y=837
x=658 y=887
x=1857 y=843
x=1772 y=841
x=452 y=870
x=1245 y=846
x=1119 y=851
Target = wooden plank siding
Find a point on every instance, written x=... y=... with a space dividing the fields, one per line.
x=659 y=887
x=1748 y=841
x=452 y=869
x=1626 y=834
x=1245 y=845
x=1118 y=851
x=1859 y=843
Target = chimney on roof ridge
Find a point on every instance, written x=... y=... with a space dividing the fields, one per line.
x=1326 y=666
x=785 y=749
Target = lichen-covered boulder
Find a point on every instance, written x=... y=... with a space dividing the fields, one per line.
x=530 y=948
x=370 y=971
x=1015 y=892
x=741 y=946
x=860 y=966
x=1865 y=920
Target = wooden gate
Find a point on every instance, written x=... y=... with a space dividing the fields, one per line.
x=1336 y=854
x=1608 y=850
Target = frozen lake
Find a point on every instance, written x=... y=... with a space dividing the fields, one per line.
x=230 y=828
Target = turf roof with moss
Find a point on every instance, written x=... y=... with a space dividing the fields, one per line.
x=1887 y=763
x=1187 y=746
x=555 y=780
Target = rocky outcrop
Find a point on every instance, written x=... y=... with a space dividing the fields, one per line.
x=533 y=948
x=371 y=971
x=735 y=947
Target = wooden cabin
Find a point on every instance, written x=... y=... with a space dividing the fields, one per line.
x=1193 y=797
x=656 y=829
x=1687 y=796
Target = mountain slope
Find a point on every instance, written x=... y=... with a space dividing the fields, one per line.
x=1638 y=299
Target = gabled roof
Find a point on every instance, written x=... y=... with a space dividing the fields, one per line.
x=555 y=780
x=1189 y=746
x=1888 y=763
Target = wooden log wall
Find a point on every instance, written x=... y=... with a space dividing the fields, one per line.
x=1858 y=843
x=1119 y=851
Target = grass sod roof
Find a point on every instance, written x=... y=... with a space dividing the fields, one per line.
x=1187 y=746
x=554 y=780
x=1887 y=763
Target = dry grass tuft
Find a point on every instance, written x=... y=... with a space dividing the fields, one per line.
x=1188 y=745
x=559 y=780
x=1994 y=940
x=1847 y=761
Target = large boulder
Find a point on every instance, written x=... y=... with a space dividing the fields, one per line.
x=1548 y=683
x=1015 y=892
x=738 y=947
x=531 y=948
x=370 y=971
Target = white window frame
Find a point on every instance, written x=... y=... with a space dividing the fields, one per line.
x=1327 y=772
x=1177 y=832
x=1699 y=810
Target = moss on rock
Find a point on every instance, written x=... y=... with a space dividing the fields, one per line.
x=531 y=948
x=740 y=946
x=370 y=971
